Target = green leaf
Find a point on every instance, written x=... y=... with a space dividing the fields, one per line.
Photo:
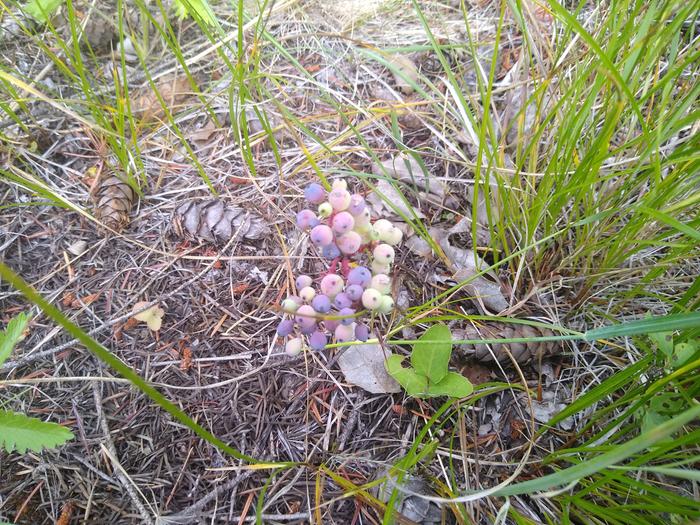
x=41 y=10
x=415 y=385
x=682 y=353
x=22 y=433
x=201 y=8
x=431 y=353
x=664 y=342
x=12 y=335
x=646 y=326
x=452 y=385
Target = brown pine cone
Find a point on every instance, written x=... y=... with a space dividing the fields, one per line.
x=211 y=220
x=113 y=201
x=99 y=31
x=521 y=352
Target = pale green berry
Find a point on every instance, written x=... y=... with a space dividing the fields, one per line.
x=379 y=267
x=324 y=210
x=382 y=283
x=290 y=306
x=394 y=237
x=294 y=346
x=386 y=304
x=340 y=184
x=371 y=299
x=383 y=227
x=384 y=253
x=307 y=294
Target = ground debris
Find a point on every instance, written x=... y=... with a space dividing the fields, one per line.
x=521 y=352
x=363 y=366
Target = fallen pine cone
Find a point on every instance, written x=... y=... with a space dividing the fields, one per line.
x=522 y=352
x=211 y=220
x=113 y=201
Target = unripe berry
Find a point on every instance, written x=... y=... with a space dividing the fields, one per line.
x=339 y=184
x=363 y=218
x=289 y=305
x=382 y=226
x=382 y=283
x=384 y=253
x=294 y=346
x=386 y=304
x=324 y=210
x=305 y=317
x=393 y=237
x=357 y=204
x=378 y=267
x=371 y=299
x=307 y=294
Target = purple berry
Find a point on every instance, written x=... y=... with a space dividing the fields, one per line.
x=361 y=332
x=360 y=275
x=357 y=204
x=285 y=328
x=321 y=235
x=342 y=301
x=347 y=315
x=314 y=193
x=331 y=324
x=303 y=281
x=321 y=303
x=343 y=223
x=306 y=219
x=349 y=243
x=354 y=291
x=330 y=252
x=318 y=340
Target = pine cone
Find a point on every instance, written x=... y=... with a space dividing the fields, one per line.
x=211 y=220
x=521 y=352
x=113 y=201
x=99 y=31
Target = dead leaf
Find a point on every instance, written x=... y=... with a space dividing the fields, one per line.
x=70 y=300
x=363 y=366
x=186 y=360
x=406 y=169
x=465 y=263
x=174 y=91
x=389 y=194
x=406 y=73
x=203 y=135
x=78 y=248
x=153 y=316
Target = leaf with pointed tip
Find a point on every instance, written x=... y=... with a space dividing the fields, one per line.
x=22 y=433
x=431 y=353
x=452 y=385
x=12 y=335
x=664 y=342
x=414 y=384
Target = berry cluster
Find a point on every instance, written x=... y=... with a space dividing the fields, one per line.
x=343 y=230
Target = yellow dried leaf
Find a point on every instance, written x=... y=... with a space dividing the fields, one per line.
x=174 y=92
x=153 y=316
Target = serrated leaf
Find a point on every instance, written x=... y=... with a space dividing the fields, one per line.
x=431 y=353
x=415 y=385
x=452 y=385
x=21 y=433
x=41 y=10
x=12 y=335
x=682 y=353
x=664 y=342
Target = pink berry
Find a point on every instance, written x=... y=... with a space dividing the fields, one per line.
x=318 y=340
x=339 y=199
x=321 y=235
x=331 y=324
x=349 y=243
x=305 y=317
x=343 y=223
x=381 y=283
x=306 y=219
x=345 y=333
x=332 y=285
